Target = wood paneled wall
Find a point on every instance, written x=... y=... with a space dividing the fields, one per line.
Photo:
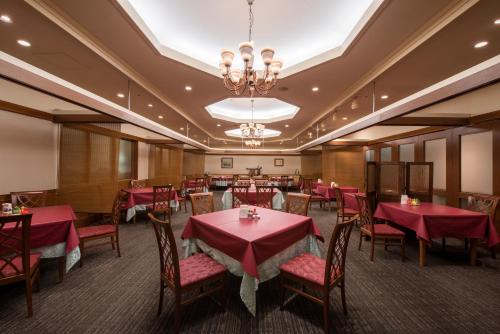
x=193 y=164
x=311 y=165
x=345 y=166
x=165 y=165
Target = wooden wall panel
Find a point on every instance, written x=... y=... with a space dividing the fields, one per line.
x=311 y=166
x=193 y=164
x=165 y=165
x=345 y=167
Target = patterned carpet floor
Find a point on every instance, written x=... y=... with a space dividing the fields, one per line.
x=120 y=295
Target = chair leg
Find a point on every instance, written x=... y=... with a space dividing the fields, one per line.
x=493 y=252
x=342 y=293
x=118 y=245
x=177 y=324
x=282 y=304
x=372 y=253
x=160 y=304
x=82 y=252
x=185 y=206
x=62 y=267
x=403 y=248
x=28 y=296
x=134 y=220
x=360 y=239
x=326 y=319
x=112 y=242
x=385 y=244
x=443 y=245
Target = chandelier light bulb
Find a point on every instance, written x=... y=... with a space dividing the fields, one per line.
x=227 y=57
x=246 y=50
x=267 y=55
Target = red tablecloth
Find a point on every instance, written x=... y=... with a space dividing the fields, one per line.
x=51 y=225
x=329 y=192
x=252 y=195
x=248 y=241
x=138 y=196
x=431 y=221
x=350 y=200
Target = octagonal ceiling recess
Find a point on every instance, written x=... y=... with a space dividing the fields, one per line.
x=239 y=110
x=304 y=33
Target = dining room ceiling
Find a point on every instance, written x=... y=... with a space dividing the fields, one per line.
x=404 y=47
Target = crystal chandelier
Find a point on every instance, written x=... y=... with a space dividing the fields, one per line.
x=237 y=80
x=252 y=131
x=252 y=143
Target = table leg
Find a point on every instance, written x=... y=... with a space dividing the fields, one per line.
x=62 y=267
x=473 y=251
x=422 y=252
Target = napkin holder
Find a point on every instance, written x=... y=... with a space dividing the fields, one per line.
x=243 y=211
x=404 y=199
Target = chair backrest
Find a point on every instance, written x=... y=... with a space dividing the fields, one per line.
x=337 y=251
x=239 y=194
x=486 y=204
x=202 y=203
x=284 y=180
x=261 y=182
x=308 y=186
x=235 y=178
x=120 y=199
x=14 y=243
x=297 y=203
x=169 y=258
x=265 y=196
x=339 y=196
x=161 y=198
x=199 y=185
x=365 y=212
x=134 y=184
x=29 y=199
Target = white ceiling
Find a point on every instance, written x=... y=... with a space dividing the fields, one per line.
x=239 y=110
x=380 y=131
x=195 y=31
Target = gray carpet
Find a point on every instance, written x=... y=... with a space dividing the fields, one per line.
x=120 y=295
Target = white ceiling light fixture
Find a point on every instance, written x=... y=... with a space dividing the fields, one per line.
x=188 y=88
x=218 y=125
x=286 y=125
x=481 y=44
x=384 y=97
x=160 y=116
x=237 y=80
x=120 y=95
x=24 y=43
x=315 y=89
x=344 y=118
x=150 y=105
x=497 y=21
x=354 y=103
x=5 y=18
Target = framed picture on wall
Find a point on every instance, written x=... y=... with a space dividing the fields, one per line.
x=279 y=162
x=226 y=162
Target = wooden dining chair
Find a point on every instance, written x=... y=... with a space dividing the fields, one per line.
x=182 y=195
x=162 y=195
x=265 y=195
x=107 y=230
x=202 y=203
x=343 y=213
x=29 y=199
x=316 y=276
x=137 y=184
x=243 y=182
x=16 y=255
x=486 y=204
x=308 y=189
x=297 y=203
x=391 y=236
x=239 y=195
x=261 y=182
x=199 y=185
x=195 y=277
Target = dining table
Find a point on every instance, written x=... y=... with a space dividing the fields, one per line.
x=139 y=198
x=278 y=198
x=431 y=221
x=350 y=200
x=328 y=192
x=53 y=234
x=251 y=248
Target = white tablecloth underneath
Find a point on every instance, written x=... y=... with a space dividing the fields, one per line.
x=227 y=200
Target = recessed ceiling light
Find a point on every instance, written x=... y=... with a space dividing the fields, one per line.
x=160 y=116
x=344 y=118
x=497 y=21
x=182 y=129
x=23 y=43
x=5 y=18
x=301 y=141
x=150 y=105
x=204 y=140
x=286 y=125
x=120 y=95
x=218 y=124
x=323 y=130
x=315 y=89
x=481 y=44
x=384 y=97
x=188 y=88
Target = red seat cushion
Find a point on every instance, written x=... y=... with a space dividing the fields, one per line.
x=93 y=231
x=318 y=198
x=197 y=268
x=306 y=266
x=17 y=262
x=384 y=229
x=350 y=212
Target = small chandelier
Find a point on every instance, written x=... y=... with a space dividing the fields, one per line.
x=237 y=80
x=253 y=143
x=251 y=129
